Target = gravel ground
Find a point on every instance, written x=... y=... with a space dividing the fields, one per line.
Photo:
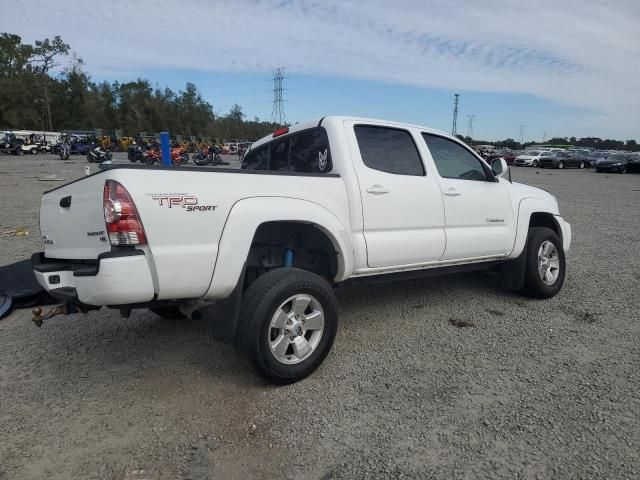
x=440 y=378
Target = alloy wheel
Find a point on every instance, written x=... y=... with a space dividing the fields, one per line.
x=548 y=263
x=296 y=329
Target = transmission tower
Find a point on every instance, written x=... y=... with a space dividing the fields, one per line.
x=470 y=119
x=454 y=129
x=522 y=134
x=277 y=114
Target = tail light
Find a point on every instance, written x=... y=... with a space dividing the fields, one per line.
x=121 y=216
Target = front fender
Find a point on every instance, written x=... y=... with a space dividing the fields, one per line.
x=526 y=208
x=244 y=219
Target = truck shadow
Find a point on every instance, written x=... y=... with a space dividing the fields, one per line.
x=146 y=344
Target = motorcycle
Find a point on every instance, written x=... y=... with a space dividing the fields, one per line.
x=97 y=155
x=179 y=156
x=152 y=156
x=135 y=153
x=64 y=150
x=209 y=156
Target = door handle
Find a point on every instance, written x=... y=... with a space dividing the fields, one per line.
x=377 y=190
x=452 y=192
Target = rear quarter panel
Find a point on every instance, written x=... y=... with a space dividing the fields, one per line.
x=184 y=213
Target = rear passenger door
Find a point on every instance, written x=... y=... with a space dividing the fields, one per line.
x=402 y=205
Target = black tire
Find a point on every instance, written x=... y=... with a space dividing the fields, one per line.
x=534 y=163
x=184 y=158
x=581 y=165
x=622 y=169
x=200 y=161
x=19 y=152
x=533 y=285
x=170 y=312
x=34 y=151
x=89 y=158
x=560 y=164
x=259 y=304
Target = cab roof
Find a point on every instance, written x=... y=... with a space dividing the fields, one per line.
x=339 y=119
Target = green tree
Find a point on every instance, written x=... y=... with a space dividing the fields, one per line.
x=43 y=59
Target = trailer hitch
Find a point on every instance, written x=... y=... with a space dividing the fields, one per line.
x=38 y=316
x=66 y=308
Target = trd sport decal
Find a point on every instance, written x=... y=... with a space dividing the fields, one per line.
x=188 y=202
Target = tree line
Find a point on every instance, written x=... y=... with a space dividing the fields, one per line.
x=36 y=95
x=590 y=142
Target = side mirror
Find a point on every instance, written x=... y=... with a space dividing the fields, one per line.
x=499 y=167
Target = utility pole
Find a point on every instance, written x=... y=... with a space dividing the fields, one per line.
x=277 y=114
x=470 y=119
x=454 y=129
x=544 y=137
x=522 y=134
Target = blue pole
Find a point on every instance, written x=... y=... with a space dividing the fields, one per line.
x=166 y=148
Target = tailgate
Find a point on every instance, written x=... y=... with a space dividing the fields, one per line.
x=72 y=220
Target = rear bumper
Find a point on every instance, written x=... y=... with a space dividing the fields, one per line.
x=116 y=278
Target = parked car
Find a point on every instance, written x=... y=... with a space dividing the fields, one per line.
x=314 y=205
x=562 y=160
x=530 y=158
x=616 y=162
x=633 y=162
x=508 y=155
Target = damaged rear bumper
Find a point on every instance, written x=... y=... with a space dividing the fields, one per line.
x=115 y=278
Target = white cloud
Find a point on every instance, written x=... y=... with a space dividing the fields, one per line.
x=577 y=53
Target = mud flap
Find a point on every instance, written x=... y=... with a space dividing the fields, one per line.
x=512 y=272
x=222 y=317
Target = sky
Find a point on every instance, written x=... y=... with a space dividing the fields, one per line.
x=559 y=68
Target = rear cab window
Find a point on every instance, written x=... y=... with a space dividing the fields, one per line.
x=390 y=150
x=306 y=151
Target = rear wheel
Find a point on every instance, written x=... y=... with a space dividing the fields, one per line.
x=19 y=151
x=622 y=169
x=34 y=151
x=545 y=263
x=560 y=164
x=288 y=321
x=581 y=165
x=534 y=163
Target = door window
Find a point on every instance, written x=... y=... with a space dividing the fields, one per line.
x=453 y=160
x=389 y=150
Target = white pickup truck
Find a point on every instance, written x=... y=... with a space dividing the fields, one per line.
x=257 y=252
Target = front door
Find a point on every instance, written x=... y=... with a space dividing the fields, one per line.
x=478 y=216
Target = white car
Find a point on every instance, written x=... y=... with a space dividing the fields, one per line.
x=257 y=252
x=530 y=158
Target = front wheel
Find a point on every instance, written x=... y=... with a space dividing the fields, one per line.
x=560 y=164
x=545 y=263
x=581 y=165
x=622 y=169
x=34 y=151
x=89 y=158
x=534 y=163
x=288 y=321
